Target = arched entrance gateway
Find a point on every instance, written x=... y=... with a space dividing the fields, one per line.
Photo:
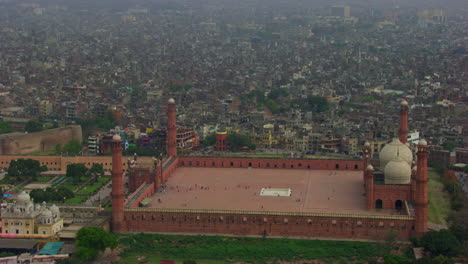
x=398 y=204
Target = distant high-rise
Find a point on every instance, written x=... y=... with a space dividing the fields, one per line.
x=432 y=16
x=340 y=11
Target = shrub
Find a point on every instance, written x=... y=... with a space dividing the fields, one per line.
x=441 y=242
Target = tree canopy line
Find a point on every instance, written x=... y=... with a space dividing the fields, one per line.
x=78 y=171
x=235 y=142
x=72 y=147
x=51 y=195
x=272 y=101
x=22 y=169
x=105 y=123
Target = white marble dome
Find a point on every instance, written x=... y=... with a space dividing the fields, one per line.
x=397 y=171
x=54 y=209
x=46 y=213
x=116 y=137
x=393 y=150
x=23 y=198
x=171 y=101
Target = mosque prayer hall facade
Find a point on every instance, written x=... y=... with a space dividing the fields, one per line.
x=275 y=197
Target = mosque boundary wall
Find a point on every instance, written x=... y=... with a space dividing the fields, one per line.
x=271 y=163
x=266 y=223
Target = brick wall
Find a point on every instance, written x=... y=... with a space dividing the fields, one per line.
x=256 y=223
x=389 y=194
x=271 y=163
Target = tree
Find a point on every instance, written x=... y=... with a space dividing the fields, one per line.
x=209 y=140
x=390 y=241
x=5 y=128
x=86 y=253
x=22 y=168
x=33 y=126
x=394 y=259
x=441 y=242
x=449 y=145
x=96 y=169
x=318 y=104
x=58 y=148
x=236 y=141
x=51 y=195
x=72 y=147
x=95 y=237
x=437 y=260
x=75 y=171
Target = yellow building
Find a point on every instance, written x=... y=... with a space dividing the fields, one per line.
x=26 y=218
x=45 y=107
x=376 y=145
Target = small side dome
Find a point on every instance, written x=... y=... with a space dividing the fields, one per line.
x=54 y=209
x=367 y=144
x=116 y=137
x=370 y=167
x=397 y=172
x=23 y=198
x=415 y=168
x=422 y=142
x=46 y=213
x=404 y=103
x=171 y=101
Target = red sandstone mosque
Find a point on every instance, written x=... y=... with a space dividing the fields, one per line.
x=274 y=197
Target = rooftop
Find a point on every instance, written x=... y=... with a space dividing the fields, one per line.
x=312 y=191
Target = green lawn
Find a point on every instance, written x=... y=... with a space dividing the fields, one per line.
x=43 y=179
x=104 y=180
x=75 y=200
x=71 y=187
x=439 y=200
x=220 y=250
x=89 y=189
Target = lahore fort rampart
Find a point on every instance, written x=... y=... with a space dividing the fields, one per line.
x=23 y=143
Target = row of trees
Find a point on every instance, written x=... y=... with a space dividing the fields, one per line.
x=72 y=147
x=77 y=171
x=5 y=128
x=106 y=122
x=235 y=141
x=21 y=169
x=51 y=195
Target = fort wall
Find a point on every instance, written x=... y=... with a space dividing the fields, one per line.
x=59 y=163
x=268 y=223
x=23 y=143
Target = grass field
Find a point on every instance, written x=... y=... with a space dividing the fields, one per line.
x=89 y=189
x=43 y=179
x=75 y=200
x=104 y=179
x=221 y=250
x=71 y=187
x=439 y=200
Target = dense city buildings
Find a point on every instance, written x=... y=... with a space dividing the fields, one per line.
x=242 y=196
x=231 y=117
